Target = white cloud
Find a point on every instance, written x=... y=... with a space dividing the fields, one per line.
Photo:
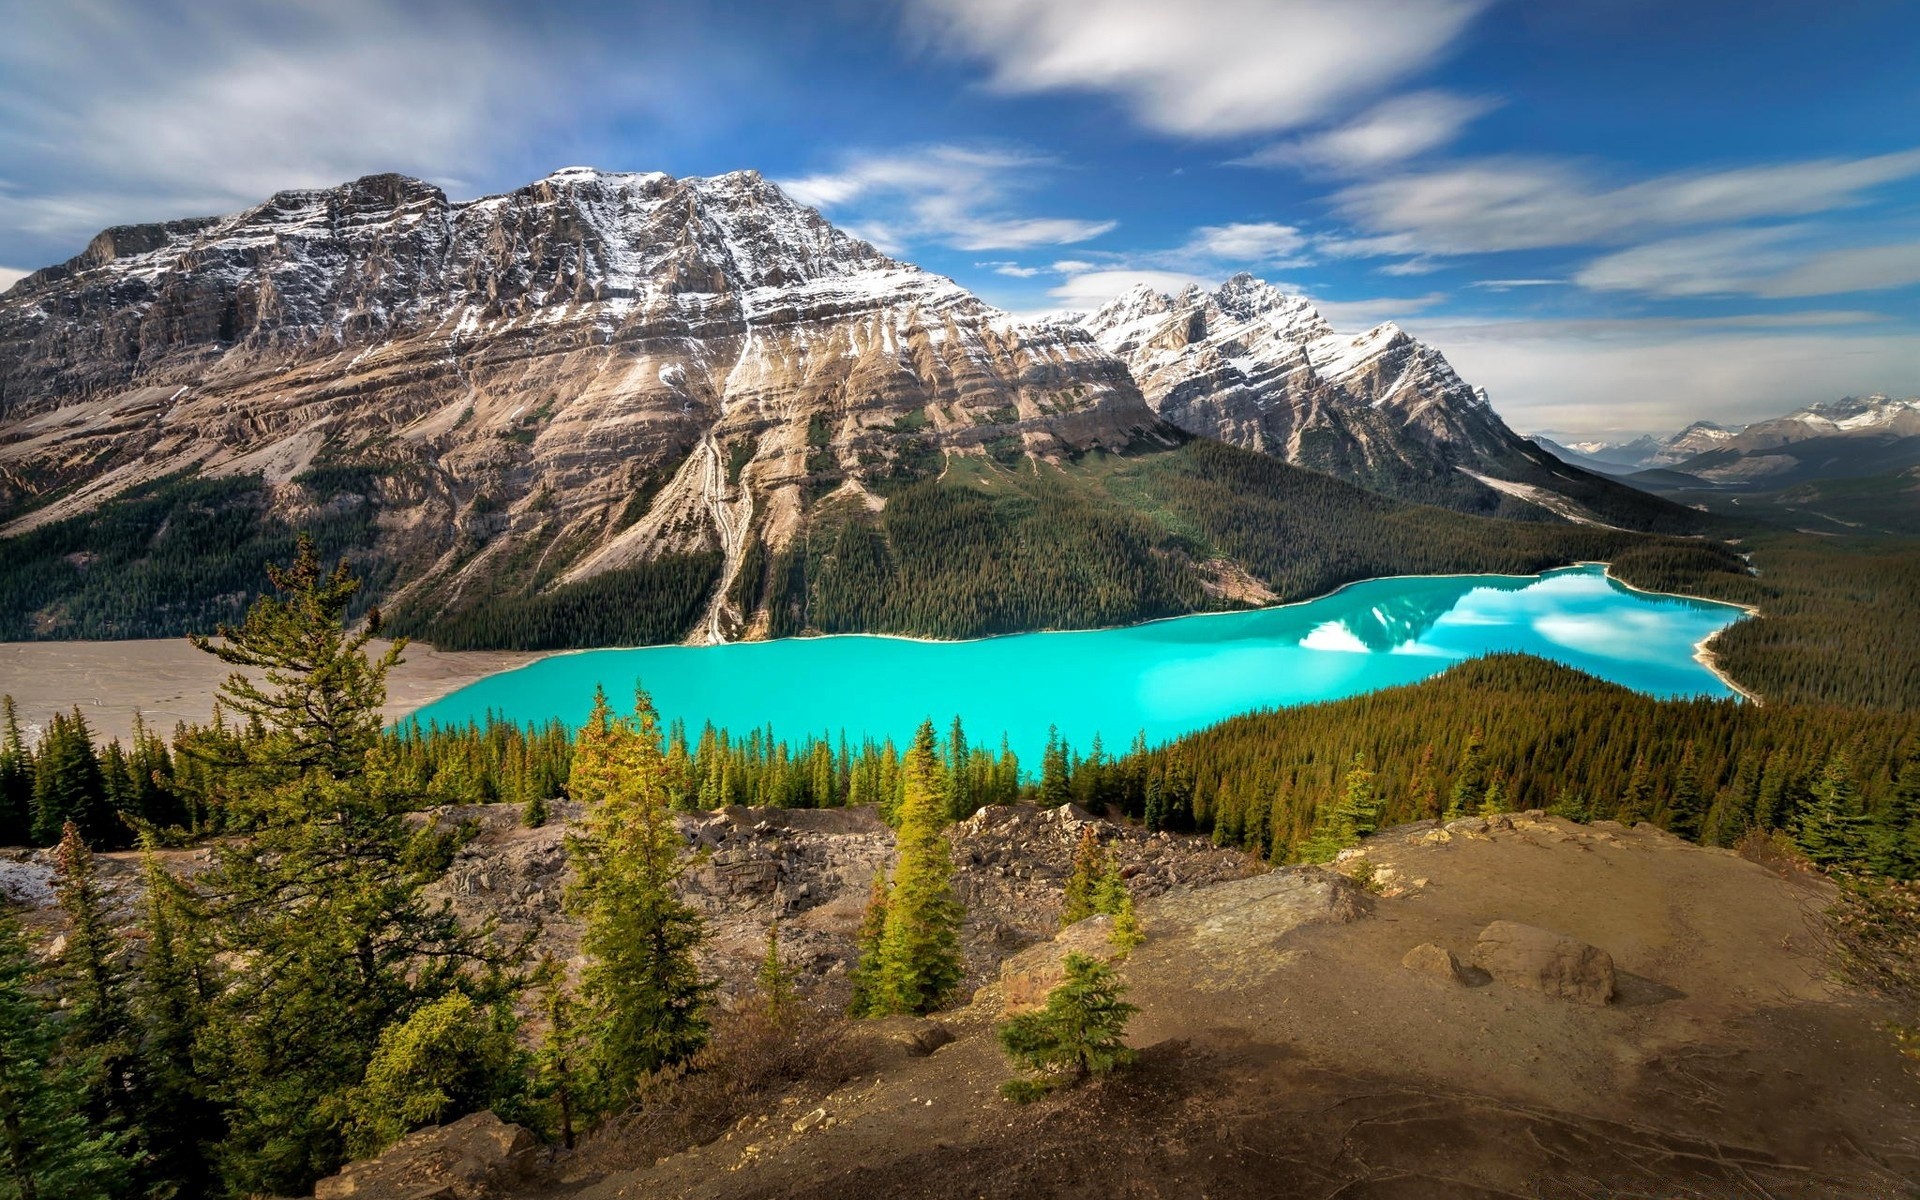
x=956 y=195
x=1013 y=269
x=10 y=276
x=1519 y=203
x=1365 y=314
x=1774 y=262
x=1642 y=374
x=1247 y=243
x=1091 y=289
x=1206 y=68
x=1389 y=132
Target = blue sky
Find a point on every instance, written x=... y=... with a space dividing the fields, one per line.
x=1617 y=215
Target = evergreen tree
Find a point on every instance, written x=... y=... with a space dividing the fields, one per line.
x=91 y=976
x=68 y=785
x=449 y=1058
x=865 y=976
x=1636 y=799
x=644 y=1000
x=920 y=947
x=961 y=801
x=1054 y=787
x=48 y=1150
x=1830 y=828
x=176 y=984
x=557 y=1062
x=1423 y=793
x=1115 y=899
x=1686 y=811
x=774 y=981
x=1083 y=879
x=1080 y=1032
x=16 y=780
x=1896 y=834
x=1469 y=779
x=323 y=900
x=1495 y=800
x=1344 y=822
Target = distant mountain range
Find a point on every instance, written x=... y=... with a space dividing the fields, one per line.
x=599 y=371
x=1855 y=437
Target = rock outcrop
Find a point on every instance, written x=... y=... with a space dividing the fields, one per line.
x=1541 y=960
x=477 y=1156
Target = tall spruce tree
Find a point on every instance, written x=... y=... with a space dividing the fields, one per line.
x=48 y=1148
x=1830 y=828
x=1469 y=778
x=919 y=953
x=323 y=900
x=1083 y=879
x=68 y=785
x=1349 y=818
x=92 y=979
x=865 y=976
x=643 y=997
x=176 y=984
x=16 y=779
x=1895 y=839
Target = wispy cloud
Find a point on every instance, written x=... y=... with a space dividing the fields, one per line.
x=1252 y=243
x=1388 y=133
x=116 y=110
x=10 y=276
x=955 y=195
x=1207 y=68
x=1525 y=203
x=1776 y=262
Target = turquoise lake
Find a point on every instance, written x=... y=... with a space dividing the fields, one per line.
x=1164 y=677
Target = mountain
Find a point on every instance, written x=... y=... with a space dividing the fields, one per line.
x=1258 y=368
x=1855 y=437
x=618 y=407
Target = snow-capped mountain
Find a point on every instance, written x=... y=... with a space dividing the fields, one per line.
x=1256 y=367
x=523 y=366
x=599 y=369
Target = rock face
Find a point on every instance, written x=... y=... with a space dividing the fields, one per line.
x=1540 y=960
x=1255 y=367
x=476 y=1156
x=609 y=367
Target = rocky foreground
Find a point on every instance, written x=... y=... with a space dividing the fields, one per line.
x=1513 y=1007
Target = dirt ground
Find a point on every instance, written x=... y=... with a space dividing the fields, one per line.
x=1286 y=1052
x=167 y=681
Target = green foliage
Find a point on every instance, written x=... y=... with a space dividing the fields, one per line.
x=1831 y=828
x=48 y=1149
x=175 y=556
x=16 y=780
x=865 y=975
x=1083 y=879
x=1344 y=822
x=69 y=786
x=1115 y=899
x=643 y=998
x=449 y=1058
x=774 y=981
x=640 y=605
x=1080 y=1032
x=557 y=1062
x=323 y=900
x=918 y=956
x=91 y=976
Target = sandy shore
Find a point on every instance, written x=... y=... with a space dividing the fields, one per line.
x=166 y=680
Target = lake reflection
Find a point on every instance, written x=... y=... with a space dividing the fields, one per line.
x=1164 y=678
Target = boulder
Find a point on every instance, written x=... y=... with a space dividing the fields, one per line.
x=1027 y=977
x=473 y=1157
x=1541 y=960
x=1438 y=961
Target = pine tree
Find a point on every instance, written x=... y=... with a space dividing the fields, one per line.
x=774 y=981
x=643 y=997
x=68 y=785
x=1054 y=789
x=557 y=1061
x=16 y=780
x=1423 y=793
x=1686 y=811
x=1830 y=828
x=1083 y=879
x=175 y=987
x=323 y=900
x=1636 y=799
x=48 y=1151
x=1896 y=834
x=1469 y=779
x=92 y=978
x=1080 y=1032
x=448 y=1058
x=1344 y=822
x=960 y=799
x=1115 y=899
x=919 y=952
x=865 y=976
x=1495 y=800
